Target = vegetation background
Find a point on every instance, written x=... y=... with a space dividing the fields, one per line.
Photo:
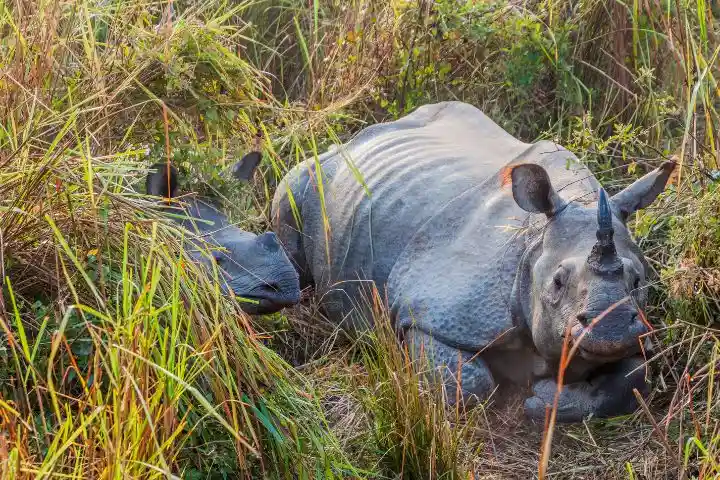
x=118 y=360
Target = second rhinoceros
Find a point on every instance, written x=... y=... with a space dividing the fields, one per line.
x=488 y=250
x=253 y=267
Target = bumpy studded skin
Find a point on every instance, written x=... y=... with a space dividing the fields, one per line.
x=436 y=229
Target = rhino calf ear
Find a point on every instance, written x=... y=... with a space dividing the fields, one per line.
x=244 y=169
x=162 y=181
x=532 y=189
x=643 y=191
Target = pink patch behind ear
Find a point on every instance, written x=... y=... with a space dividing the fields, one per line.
x=506 y=176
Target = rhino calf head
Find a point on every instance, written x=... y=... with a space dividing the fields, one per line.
x=584 y=272
x=253 y=267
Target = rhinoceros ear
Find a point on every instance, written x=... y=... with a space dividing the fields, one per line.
x=244 y=169
x=643 y=191
x=162 y=180
x=532 y=190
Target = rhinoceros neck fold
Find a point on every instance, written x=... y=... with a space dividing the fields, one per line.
x=519 y=298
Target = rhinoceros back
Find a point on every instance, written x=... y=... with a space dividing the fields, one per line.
x=432 y=182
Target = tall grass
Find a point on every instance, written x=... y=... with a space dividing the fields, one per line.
x=121 y=359
x=421 y=438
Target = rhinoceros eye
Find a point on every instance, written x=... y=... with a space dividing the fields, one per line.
x=636 y=284
x=555 y=290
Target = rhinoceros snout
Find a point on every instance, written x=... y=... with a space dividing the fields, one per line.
x=586 y=318
x=608 y=338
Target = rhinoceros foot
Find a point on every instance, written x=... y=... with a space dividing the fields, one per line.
x=607 y=394
x=465 y=377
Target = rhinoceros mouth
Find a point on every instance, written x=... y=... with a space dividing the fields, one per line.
x=262 y=305
x=599 y=351
x=264 y=298
x=267 y=301
x=594 y=357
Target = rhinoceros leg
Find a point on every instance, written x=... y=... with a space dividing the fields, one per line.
x=453 y=367
x=607 y=394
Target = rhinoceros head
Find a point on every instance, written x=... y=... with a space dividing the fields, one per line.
x=254 y=267
x=585 y=272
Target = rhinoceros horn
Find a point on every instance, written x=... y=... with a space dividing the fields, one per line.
x=603 y=258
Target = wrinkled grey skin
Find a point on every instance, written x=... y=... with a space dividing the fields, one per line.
x=253 y=267
x=486 y=249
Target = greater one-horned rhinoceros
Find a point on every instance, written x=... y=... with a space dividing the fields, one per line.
x=488 y=250
x=254 y=267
